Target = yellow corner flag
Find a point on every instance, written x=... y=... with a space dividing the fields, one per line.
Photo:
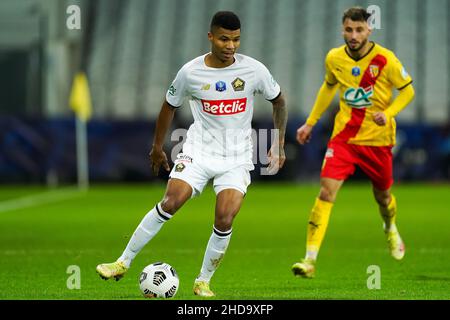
x=80 y=97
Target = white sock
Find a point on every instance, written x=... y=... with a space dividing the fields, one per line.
x=217 y=245
x=311 y=254
x=392 y=227
x=147 y=229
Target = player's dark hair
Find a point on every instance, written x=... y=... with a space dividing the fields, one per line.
x=356 y=14
x=225 y=19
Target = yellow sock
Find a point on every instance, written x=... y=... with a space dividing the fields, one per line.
x=317 y=226
x=389 y=213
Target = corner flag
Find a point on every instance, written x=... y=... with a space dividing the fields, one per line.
x=80 y=97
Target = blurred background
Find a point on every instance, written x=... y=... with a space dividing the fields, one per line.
x=130 y=50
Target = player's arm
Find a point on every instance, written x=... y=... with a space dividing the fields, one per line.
x=323 y=101
x=276 y=154
x=405 y=96
x=174 y=99
x=157 y=155
x=401 y=80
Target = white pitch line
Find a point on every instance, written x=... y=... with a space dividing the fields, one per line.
x=39 y=199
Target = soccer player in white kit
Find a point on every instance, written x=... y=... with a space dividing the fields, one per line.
x=221 y=86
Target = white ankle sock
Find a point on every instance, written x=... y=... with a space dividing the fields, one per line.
x=217 y=245
x=147 y=229
x=392 y=227
x=311 y=255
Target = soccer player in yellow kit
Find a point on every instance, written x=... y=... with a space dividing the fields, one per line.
x=364 y=130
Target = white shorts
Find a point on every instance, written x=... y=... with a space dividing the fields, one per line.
x=197 y=173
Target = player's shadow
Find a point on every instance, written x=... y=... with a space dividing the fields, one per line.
x=432 y=278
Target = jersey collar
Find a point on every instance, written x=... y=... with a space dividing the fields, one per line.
x=362 y=57
x=212 y=68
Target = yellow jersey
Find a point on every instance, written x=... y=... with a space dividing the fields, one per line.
x=365 y=87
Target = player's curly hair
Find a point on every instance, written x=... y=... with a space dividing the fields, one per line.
x=356 y=14
x=225 y=19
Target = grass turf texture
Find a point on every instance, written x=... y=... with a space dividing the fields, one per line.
x=37 y=244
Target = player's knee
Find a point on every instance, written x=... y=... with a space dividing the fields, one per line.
x=224 y=219
x=326 y=194
x=171 y=204
x=383 y=199
x=223 y=224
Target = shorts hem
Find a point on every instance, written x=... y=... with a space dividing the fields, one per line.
x=219 y=189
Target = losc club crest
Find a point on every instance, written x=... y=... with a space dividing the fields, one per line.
x=179 y=167
x=238 y=84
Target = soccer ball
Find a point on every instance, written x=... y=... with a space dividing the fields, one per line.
x=159 y=280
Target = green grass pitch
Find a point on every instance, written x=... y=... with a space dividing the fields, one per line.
x=38 y=243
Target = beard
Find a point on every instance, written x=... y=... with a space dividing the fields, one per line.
x=356 y=49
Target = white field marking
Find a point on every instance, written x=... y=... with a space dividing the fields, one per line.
x=40 y=199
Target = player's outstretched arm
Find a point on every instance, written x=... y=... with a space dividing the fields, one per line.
x=323 y=101
x=405 y=96
x=158 y=157
x=276 y=153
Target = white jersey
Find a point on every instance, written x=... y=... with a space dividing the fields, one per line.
x=222 y=102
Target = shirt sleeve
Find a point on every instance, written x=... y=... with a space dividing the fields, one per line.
x=329 y=75
x=266 y=84
x=178 y=89
x=397 y=74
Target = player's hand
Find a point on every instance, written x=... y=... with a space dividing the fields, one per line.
x=276 y=158
x=304 y=134
x=380 y=118
x=158 y=158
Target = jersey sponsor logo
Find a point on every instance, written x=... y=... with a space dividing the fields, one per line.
x=238 y=84
x=221 y=86
x=172 y=90
x=224 y=107
x=356 y=71
x=359 y=97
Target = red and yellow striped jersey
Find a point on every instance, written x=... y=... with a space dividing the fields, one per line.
x=365 y=87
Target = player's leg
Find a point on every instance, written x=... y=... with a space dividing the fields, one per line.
x=388 y=210
x=230 y=188
x=317 y=226
x=338 y=165
x=228 y=203
x=387 y=205
x=376 y=162
x=177 y=193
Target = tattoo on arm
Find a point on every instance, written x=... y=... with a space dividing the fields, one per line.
x=280 y=115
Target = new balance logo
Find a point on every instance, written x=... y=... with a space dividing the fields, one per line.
x=224 y=107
